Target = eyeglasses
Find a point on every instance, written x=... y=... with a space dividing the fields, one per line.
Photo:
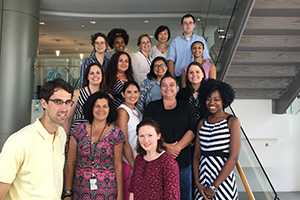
x=68 y=102
x=160 y=65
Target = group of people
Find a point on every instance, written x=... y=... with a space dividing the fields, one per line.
x=149 y=125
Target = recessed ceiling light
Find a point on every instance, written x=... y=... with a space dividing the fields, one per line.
x=42 y=23
x=146 y=21
x=93 y=22
x=81 y=56
x=82 y=26
x=57 y=52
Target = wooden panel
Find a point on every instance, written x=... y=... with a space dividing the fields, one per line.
x=282 y=23
x=258 y=82
x=262 y=71
x=258 y=93
x=269 y=41
x=276 y=4
x=266 y=57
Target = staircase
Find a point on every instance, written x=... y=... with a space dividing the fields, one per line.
x=266 y=63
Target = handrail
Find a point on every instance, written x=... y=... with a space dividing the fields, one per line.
x=245 y=181
x=257 y=159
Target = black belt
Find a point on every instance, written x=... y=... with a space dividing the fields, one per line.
x=215 y=153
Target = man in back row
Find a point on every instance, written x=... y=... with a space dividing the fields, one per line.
x=32 y=159
x=180 y=53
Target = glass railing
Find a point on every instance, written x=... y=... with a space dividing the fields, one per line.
x=227 y=37
x=257 y=177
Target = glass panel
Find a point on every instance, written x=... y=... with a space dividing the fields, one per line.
x=255 y=175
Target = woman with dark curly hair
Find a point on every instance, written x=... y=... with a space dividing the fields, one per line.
x=94 y=161
x=119 y=71
x=117 y=39
x=98 y=55
x=217 y=145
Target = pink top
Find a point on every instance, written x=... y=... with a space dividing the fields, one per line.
x=206 y=66
x=155 y=180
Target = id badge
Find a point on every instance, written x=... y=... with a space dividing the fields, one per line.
x=93 y=185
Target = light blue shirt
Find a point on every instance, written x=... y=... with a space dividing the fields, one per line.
x=181 y=54
x=150 y=91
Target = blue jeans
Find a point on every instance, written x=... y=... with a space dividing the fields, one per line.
x=186 y=183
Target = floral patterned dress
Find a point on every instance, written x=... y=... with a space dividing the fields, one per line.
x=100 y=163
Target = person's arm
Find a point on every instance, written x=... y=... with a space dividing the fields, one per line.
x=171 y=58
x=4 y=187
x=206 y=50
x=145 y=89
x=213 y=72
x=122 y=123
x=83 y=67
x=171 y=183
x=171 y=67
x=234 y=127
x=70 y=164
x=12 y=157
x=185 y=141
x=118 y=169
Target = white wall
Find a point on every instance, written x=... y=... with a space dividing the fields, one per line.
x=276 y=139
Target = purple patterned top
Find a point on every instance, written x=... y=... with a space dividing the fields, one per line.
x=102 y=166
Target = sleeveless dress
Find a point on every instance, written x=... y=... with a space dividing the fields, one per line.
x=215 y=146
x=116 y=91
x=78 y=113
x=206 y=66
x=135 y=118
x=102 y=165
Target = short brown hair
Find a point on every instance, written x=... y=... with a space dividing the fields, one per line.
x=155 y=125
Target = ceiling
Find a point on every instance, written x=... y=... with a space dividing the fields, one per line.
x=67 y=23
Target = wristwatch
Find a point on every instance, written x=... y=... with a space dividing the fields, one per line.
x=213 y=188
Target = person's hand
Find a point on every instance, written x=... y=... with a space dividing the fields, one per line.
x=201 y=190
x=209 y=193
x=173 y=149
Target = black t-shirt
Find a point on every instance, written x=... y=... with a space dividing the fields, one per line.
x=174 y=124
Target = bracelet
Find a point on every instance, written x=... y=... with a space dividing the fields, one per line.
x=213 y=188
x=67 y=193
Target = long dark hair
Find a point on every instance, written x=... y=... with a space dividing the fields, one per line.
x=112 y=69
x=90 y=103
x=86 y=74
x=187 y=82
x=151 y=75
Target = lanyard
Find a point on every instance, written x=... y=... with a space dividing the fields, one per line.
x=93 y=147
x=147 y=59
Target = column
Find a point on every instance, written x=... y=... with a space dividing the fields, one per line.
x=18 y=40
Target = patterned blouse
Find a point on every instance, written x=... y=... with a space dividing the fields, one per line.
x=155 y=180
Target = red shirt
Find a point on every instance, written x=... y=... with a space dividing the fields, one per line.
x=155 y=180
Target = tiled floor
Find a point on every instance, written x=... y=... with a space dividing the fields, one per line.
x=289 y=195
x=270 y=196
